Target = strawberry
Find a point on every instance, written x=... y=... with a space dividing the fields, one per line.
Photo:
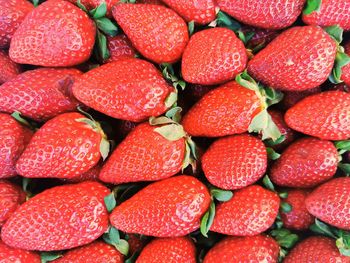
x=168 y=208
x=261 y=13
x=195 y=92
x=90 y=175
x=346 y=69
x=330 y=202
x=171 y=250
x=152 y=2
x=8 y=68
x=305 y=163
x=81 y=212
x=125 y=127
x=119 y=47
x=65 y=147
x=213 y=56
x=235 y=162
x=300 y=58
x=323 y=115
x=291 y=98
x=91 y=4
x=258 y=248
x=251 y=211
x=9 y=255
x=157 y=32
x=60 y=35
x=40 y=94
x=136 y=243
x=13 y=139
x=261 y=37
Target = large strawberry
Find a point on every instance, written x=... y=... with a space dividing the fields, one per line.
x=213 y=56
x=40 y=94
x=59 y=218
x=9 y=255
x=323 y=115
x=168 y=208
x=8 y=68
x=157 y=32
x=119 y=47
x=65 y=147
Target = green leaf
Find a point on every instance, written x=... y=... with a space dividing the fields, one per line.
x=133 y=258
x=193 y=147
x=190 y=154
x=271 y=131
x=101 y=46
x=171 y=132
x=155 y=121
x=122 y=247
x=35 y=3
x=221 y=195
x=285 y=238
x=274 y=143
x=174 y=114
x=224 y=20
x=171 y=99
x=341 y=60
x=285 y=207
x=112 y=236
x=104 y=148
x=335 y=32
x=207 y=220
x=180 y=83
x=268 y=184
x=342 y=145
x=17 y=116
x=345 y=167
x=99 y=11
x=191 y=27
x=81 y=6
x=312 y=6
x=107 y=26
x=245 y=80
x=272 y=96
x=283 y=195
x=110 y=202
x=322 y=228
x=272 y=155
x=343 y=245
x=49 y=256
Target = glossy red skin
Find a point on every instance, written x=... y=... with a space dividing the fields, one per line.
x=12 y=13
x=258 y=248
x=97 y=251
x=9 y=255
x=11 y=197
x=346 y=69
x=129 y=89
x=8 y=68
x=235 y=162
x=157 y=32
x=90 y=175
x=323 y=115
x=226 y=110
x=168 y=250
x=13 y=139
x=63 y=148
x=119 y=47
x=305 y=163
x=144 y=155
x=153 y=2
x=213 y=56
x=300 y=58
x=266 y=14
x=80 y=209
x=298 y=218
x=332 y=12
x=291 y=98
x=251 y=211
x=168 y=208
x=40 y=94
x=91 y=4
x=60 y=34
x=316 y=249
x=330 y=202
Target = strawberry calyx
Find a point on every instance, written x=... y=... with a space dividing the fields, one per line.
x=286 y=239
x=50 y=256
x=170 y=75
x=343 y=147
x=312 y=6
x=25 y=122
x=112 y=237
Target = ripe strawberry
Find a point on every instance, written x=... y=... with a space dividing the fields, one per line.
x=213 y=56
x=330 y=202
x=171 y=250
x=9 y=255
x=40 y=94
x=8 y=68
x=261 y=13
x=13 y=139
x=119 y=47
x=261 y=36
x=251 y=211
x=305 y=163
x=60 y=34
x=90 y=175
x=291 y=98
x=298 y=59
x=258 y=248
x=346 y=69
x=168 y=208
x=65 y=147
x=157 y=32
x=130 y=89
x=152 y=2
x=235 y=162
x=322 y=115
x=81 y=212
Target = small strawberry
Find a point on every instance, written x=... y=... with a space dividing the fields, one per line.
x=10 y=255
x=168 y=208
x=61 y=217
x=290 y=98
x=157 y=32
x=346 y=69
x=119 y=47
x=8 y=68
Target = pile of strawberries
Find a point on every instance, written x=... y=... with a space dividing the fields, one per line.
x=175 y=131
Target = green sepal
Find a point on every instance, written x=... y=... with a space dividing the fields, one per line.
x=171 y=132
x=245 y=37
x=35 y=3
x=112 y=237
x=285 y=207
x=342 y=145
x=25 y=183
x=101 y=46
x=271 y=143
x=345 y=167
x=104 y=148
x=190 y=154
x=171 y=99
x=335 y=32
x=207 y=220
x=132 y=258
x=99 y=11
x=17 y=116
x=174 y=114
x=341 y=60
x=272 y=96
x=107 y=26
x=283 y=195
x=245 y=80
x=169 y=74
x=343 y=243
x=82 y=7
x=224 y=20
x=271 y=154
x=110 y=202
x=128 y=1
x=321 y=228
x=49 y=256
x=221 y=195
x=284 y=237
x=191 y=28
x=268 y=183
x=155 y=121
x=262 y=122
x=312 y=6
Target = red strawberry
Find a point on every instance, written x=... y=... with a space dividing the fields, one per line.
x=323 y=115
x=213 y=56
x=260 y=38
x=346 y=69
x=291 y=98
x=12 y=13
x=168 y=208
x=298 y=218
x=258 y=248
x=330 y=202
x=119 y=47
x=263 y=13
x=157 y=32
x=298 y=59
x=251 y=211
x=316 y=249
x=60 y=35
x=9 y=255
x=61 y=217
x=305 y=163
x=13 y=139
x=136 y=243
x=171 y=250
x=152 y=2
x=8 y=68
x=235 y=162
x=130 y=89
x=40 y=94
x=65 y=147
x=90 y=175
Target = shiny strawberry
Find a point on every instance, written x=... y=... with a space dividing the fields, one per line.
x=213 y=56
x=157 y=32
x=346 y=69
x=90 y=175
x=152 y=2
x=61 y=217
x=323 y=115
x=60 y=34
x=291 y=98
x=119 y=47
x=9 y=255
x=168 y=208
x=8 y=68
